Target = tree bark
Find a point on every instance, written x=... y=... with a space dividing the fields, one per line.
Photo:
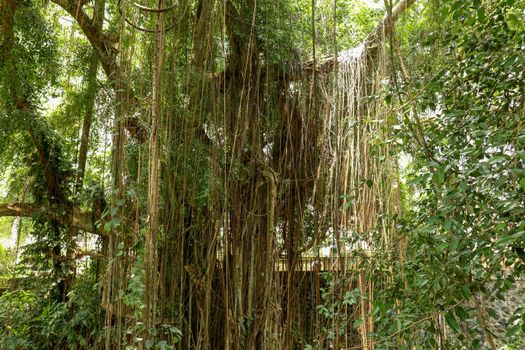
x=369 y=45
x=81 y=219
x=102 y=42
x=154 y=177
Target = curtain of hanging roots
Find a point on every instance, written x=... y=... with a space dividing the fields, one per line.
x=353 y=196
x=257 y=168
x=116 y=245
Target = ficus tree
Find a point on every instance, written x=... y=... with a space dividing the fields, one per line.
x=177 y=163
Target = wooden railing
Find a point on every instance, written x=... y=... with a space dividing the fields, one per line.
x=311 y=263
x=316 y=264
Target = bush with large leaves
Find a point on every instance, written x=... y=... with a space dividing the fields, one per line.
x=465 y=231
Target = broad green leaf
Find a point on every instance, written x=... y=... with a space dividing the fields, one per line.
x=454 y=243
x=496 y=159
x=357 y=323
x=522 y=183
x=116 y=221
x=510 y=239
x=451 y=321
x=439 y=175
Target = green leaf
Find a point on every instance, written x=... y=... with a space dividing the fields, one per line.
x=357 y=323
x=522 y=183
x=116 y=221
x=465 y=292
x=514 y=19
x=510 y=239
x=149 y=344
x=442 y=246
x=439 y=175
x=349 y=200
x=418 y=180
x=476 y=344
x=454 y=243
x=451 y=321
x=511 y=331
x=496 y=159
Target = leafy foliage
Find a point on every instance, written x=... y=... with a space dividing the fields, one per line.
x=465 y=231
x=29 y=321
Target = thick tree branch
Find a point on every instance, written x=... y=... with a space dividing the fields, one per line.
x=80 y=219
x=101 y=42
x=383 y=28
x=325 y=64
x=369 y=45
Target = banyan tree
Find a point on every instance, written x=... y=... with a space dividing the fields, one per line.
x=226 y=149
x=248 y=158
